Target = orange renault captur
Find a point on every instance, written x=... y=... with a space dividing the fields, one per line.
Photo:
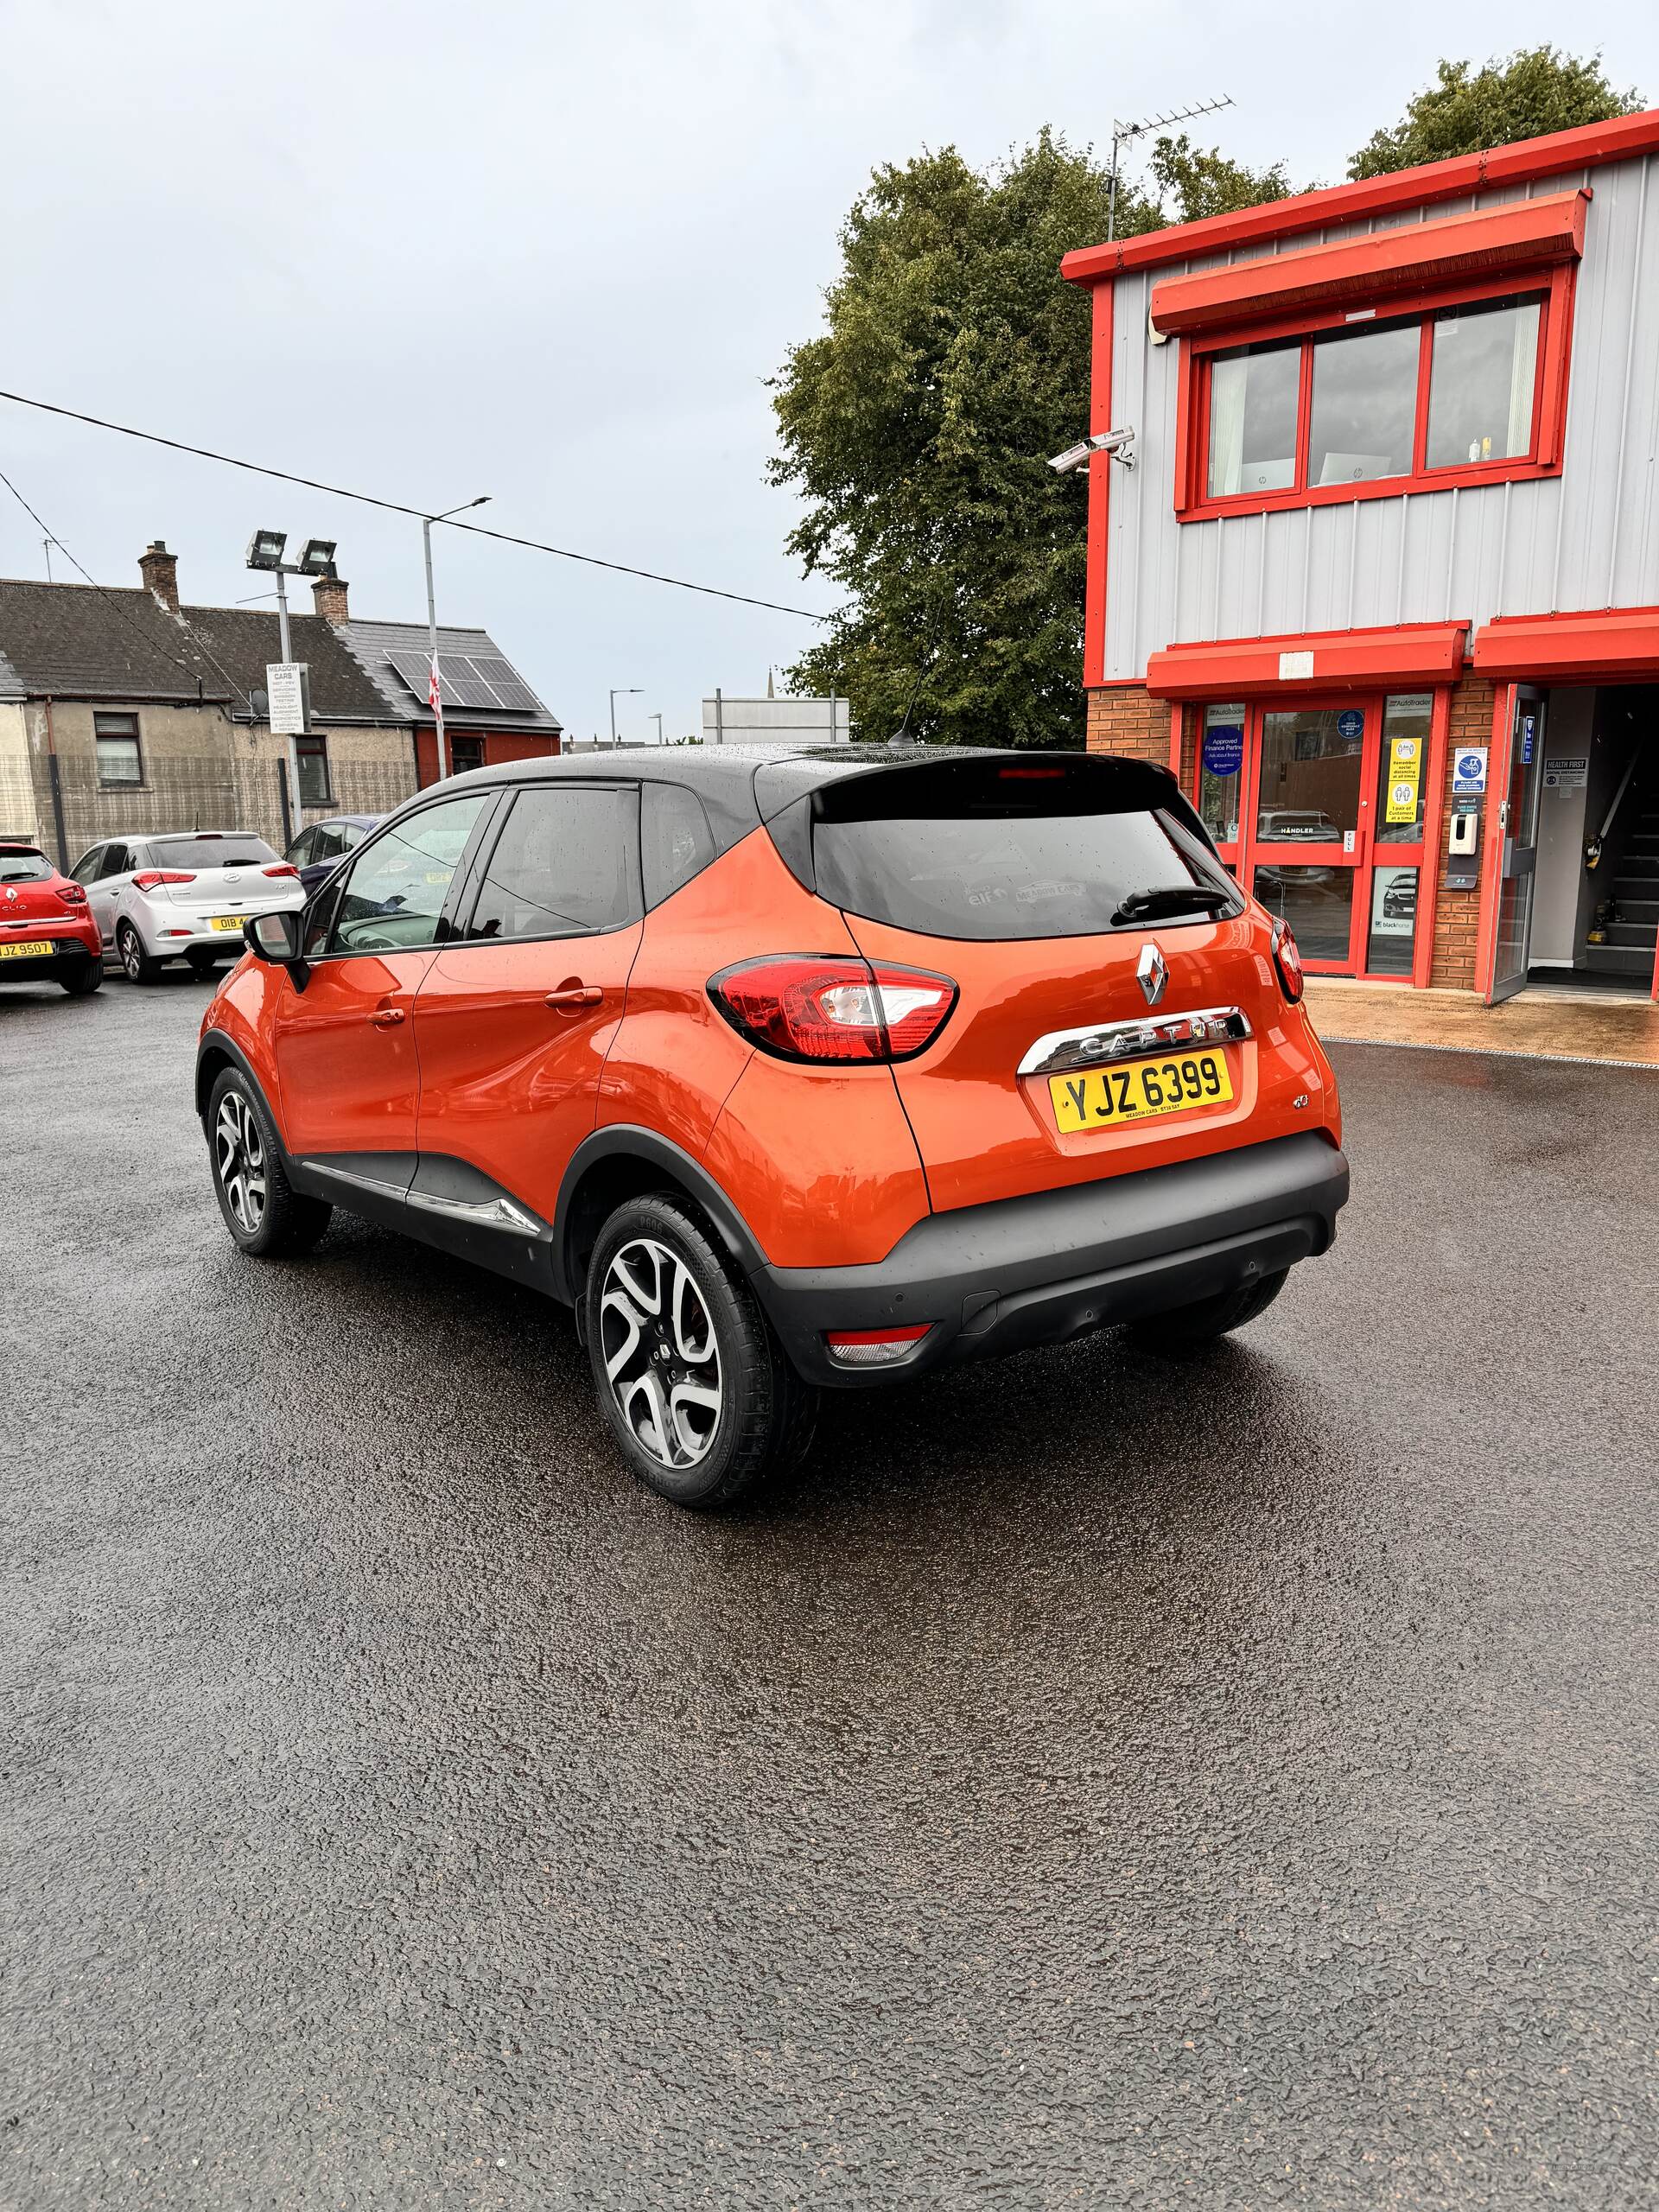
x=789 y=1071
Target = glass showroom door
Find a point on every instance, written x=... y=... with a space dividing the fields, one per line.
x=1309 y=811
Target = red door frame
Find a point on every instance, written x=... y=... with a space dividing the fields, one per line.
x=1244 y=853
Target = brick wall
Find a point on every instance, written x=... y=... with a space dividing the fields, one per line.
x=1123 y=719
x=1457 y=913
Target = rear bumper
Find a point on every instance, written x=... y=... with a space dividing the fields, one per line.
x=72 y=950
x=1037 y=1270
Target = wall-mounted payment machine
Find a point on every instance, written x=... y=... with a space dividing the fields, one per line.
x=1463 y=845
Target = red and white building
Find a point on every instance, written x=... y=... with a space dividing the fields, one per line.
x=1382 y=584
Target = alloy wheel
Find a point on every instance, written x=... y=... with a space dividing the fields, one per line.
x=132 y=953
x=661 y=1358
x=240 y=1160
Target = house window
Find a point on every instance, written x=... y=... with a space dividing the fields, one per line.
x=313 y=771
x=1357 y=404
x=119 y=766
x=465 y=753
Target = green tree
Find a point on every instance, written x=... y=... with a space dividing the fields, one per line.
x=1201 y=180
x=1518 y=96
x=917 y=428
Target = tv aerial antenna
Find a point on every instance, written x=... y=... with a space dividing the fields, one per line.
x=1122 y=132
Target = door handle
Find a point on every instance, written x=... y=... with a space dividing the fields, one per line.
x=571 y=997
x=388 y=1017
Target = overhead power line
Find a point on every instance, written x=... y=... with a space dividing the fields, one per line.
x=397 y=507
x=149 y=643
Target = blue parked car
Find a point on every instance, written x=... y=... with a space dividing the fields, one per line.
x=319 y=847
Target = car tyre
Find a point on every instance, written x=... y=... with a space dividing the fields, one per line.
x=691 y=1381
x=84 y=979
x=268 y=1218
x=1185 y=1328
x=141 y=966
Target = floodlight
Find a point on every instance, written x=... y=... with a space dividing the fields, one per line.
x=318 y=558
x=265 y=549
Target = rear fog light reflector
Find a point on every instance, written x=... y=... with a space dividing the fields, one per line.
x=873 y=1347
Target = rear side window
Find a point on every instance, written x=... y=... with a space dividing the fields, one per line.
x=994 y=851
x=675 y=842
x=238 y=851
x=563 y=866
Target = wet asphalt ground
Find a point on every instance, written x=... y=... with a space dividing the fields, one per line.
x=1092 y=1780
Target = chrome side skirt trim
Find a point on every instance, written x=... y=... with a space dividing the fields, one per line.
x=1065 y=1050
x=487 y=1213
x=381 y=1188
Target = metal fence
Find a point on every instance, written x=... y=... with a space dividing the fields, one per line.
x=59 y=802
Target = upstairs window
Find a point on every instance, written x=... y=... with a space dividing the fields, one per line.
x=1361 y=404
x=120 y=767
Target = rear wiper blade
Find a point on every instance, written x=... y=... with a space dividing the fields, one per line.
x=1174 y=899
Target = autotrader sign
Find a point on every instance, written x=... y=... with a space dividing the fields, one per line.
x=288 y=688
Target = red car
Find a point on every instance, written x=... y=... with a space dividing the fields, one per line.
x=46 y=930
x=789 y=1072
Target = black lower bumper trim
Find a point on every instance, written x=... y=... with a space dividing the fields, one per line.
x=1037 y=1270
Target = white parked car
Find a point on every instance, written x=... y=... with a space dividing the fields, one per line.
x=182 y=896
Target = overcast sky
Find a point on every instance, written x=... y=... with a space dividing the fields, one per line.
x=551 y=253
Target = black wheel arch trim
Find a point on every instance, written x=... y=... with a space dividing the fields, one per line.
x=216 y=1041
x=626 y=1140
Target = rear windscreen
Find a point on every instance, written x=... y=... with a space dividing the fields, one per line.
x=211 y=852
x=25 y=868
x=989 y=851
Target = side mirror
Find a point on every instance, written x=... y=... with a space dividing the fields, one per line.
x=274 y=937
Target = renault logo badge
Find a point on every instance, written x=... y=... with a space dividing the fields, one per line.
x=1152 y=972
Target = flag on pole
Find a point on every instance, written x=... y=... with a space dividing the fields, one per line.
x=434 y=688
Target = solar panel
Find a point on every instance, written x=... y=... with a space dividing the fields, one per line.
x=507 y=684
x=414 y=669
x=483 y=685
x=462 y=684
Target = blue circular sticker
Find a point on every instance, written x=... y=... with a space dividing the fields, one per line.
x=1350 y=724
x=1469 y=765
x=1224 y=749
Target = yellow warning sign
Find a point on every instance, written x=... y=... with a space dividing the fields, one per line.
x=1405 y=778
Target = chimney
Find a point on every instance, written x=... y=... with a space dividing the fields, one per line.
x=328 y=596
x=160 y=570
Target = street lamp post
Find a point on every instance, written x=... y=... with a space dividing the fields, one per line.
x=658 y=721
x=434 y=687
x=266 y=550
x=621 y=691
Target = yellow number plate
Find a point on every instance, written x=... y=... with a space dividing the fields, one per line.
x=31 y=949
x=1136 y=1092
x=229 y=921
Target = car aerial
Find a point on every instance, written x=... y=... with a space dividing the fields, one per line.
x=788 y=1073
x=320 y=847
x=183 y=895
x=46 y=930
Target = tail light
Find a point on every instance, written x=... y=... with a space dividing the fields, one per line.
x=1288 y=961
x=71 y=894
x=873 y=1347
x=283 y=867
x=152 y=876
x=834 y=1009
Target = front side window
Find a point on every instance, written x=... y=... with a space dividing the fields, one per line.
x=563 y=866
x=299 y=853
x=116 y=738
x=395 y=896
x=89 y=869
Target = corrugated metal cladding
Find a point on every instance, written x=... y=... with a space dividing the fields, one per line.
x=1586 y=538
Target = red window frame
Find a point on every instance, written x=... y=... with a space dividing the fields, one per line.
x=1193 y=502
